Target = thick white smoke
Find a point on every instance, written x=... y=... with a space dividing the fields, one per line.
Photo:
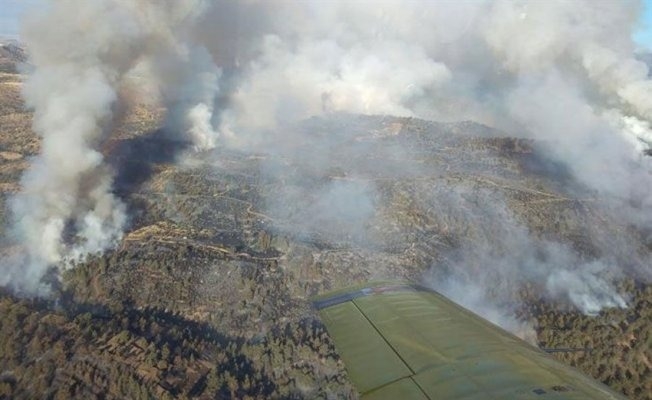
x=82 y=53
x=454 y=61
x=559 y=71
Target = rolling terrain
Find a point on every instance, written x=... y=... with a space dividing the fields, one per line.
x=208 y=293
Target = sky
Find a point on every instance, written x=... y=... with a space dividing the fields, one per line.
x=10 y=14
x=644 y=35
x=12 y=10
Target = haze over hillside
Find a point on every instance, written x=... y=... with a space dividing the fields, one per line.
x=178 y=182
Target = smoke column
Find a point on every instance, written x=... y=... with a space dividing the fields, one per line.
x=82 y=53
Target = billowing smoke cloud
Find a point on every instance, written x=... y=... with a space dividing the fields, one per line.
x=558 y=71
x=561 y=72
x=82 y=54
x=498 y=62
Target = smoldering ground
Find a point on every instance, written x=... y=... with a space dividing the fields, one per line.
x=237 y=75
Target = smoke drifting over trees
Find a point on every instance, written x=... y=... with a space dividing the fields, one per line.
x=237 y=74
x=82 y=54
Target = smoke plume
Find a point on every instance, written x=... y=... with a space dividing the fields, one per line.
x=82 y=53
x=564 y=73
x=238 y=74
